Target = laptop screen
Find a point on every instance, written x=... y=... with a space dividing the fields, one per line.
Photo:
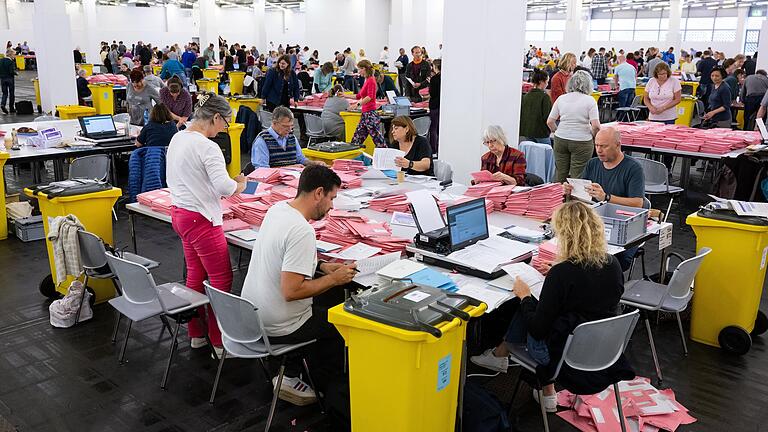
x=403 y=101
x=98 y=125
x=467 y=223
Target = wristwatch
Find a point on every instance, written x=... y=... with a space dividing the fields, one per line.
x=410 y=164
x=607 y=197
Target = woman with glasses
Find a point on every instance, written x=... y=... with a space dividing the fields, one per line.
x=197 y=179
x=662 y=94
x=505 y=163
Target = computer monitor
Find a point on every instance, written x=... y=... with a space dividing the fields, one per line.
x=402 y=101
x=98 y=126
x=467 y=223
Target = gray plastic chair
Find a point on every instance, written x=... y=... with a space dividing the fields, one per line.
x=582 y=352
x=674 y=297
x=656 y=177
x=243 y=336
x=90 y=167
x=443 y=170
x=142 y=299
x=45 y=118
x=422 y=125
x=265 y=117
x=315 y=130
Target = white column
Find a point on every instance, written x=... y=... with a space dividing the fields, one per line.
x=762 y=61
x=741 y=26
x=208 y=33
x=55 y=65
x=92 y=46
x=574 y=28
x=464 y=114
x=260 y=28
x=674 y=33
x=401 y=27
x=4 y=22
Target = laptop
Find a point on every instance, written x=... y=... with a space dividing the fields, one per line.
x=100 y=129
x=467 y=223
x=763 y=131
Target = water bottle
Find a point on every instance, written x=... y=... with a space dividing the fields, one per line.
x=146 y=116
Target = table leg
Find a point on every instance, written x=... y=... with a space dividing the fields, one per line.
x=133 y=231
x=685 y=172
x=58 y=169
x=36 y=172
x=113 y=168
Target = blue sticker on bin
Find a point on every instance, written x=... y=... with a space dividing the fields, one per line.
x=443 y=372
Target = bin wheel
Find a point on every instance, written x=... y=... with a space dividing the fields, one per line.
x=735 y=340
x=48 y=288
x=761 y=324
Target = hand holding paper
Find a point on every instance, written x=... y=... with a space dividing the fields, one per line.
x=580 y=188
x=384 y=158
x=482 y=176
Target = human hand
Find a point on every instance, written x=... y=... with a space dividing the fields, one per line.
x=596 y=191
x=401 y=162
x=343 y=274
x=500 y=176
x=291 y=102
x=567 y=188
x=521 y=289
x=707 y=116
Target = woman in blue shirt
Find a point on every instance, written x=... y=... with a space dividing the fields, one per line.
x=719 y=100
x=323 y=80
x=159 y=130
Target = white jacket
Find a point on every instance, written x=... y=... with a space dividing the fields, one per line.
x=62 y=233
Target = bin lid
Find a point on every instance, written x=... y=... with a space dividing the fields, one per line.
x=726 y=218
x=408 y=306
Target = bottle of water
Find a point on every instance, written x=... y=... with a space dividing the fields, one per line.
x=146 y=117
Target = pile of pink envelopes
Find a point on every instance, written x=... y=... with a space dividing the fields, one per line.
x=158 y=200
x=545 y=257
x=348 y=165
x=347 y=228
x=676 y=137
x=537 y=203
x=645 y=408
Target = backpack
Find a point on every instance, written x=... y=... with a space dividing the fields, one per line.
x=24 y=108
x=482 y=411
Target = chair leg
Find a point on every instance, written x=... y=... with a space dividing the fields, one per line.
x=682 y=334
x=125 y=342
x=117 y=326
x=618 y=407
x=118 y=291
x=163 y=384
x=312 y=383
x=642 y=266
x=82 y=299
x=166 y=325
x=543 y=411
x=218 y=374
x=276 y=393
x=266 y=371
x=653 y=348
x=669 y=207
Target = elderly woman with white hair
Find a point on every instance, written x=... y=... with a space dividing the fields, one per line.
x=505 y=163
x=82 y=86
x=579 y=122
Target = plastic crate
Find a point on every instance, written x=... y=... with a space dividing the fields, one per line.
x=29 y=228
x=623 y=224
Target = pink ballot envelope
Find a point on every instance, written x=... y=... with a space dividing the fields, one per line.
x=482 y=176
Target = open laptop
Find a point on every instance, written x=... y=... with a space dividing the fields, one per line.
x=763 y=131
x=100 y=129
x=467 y=223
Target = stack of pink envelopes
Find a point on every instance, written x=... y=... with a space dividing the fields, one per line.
x=545 y=257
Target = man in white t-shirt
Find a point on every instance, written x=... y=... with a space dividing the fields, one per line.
x=281 y=283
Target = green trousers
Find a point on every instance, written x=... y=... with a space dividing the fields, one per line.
x=571 y=157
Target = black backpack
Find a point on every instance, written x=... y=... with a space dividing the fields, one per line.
x=24 y=108
x=482 y=411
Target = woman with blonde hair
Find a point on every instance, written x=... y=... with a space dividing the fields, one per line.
x=559 y=80
x=584 y=284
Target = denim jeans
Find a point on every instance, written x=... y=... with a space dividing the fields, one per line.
x=626 y=97
x=625 y=258
x=517 y=333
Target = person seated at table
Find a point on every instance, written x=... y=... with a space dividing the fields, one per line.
x=140 y=97
x=277 y=146
x=616 y=178
x=333 y=124
x=159 y=130
x=418 y=153
x=585 y=283
x=293 y=303
x=305 y=79
x=719 y=100
x=82 y=86
x=323 y=80
x=178 y=100
x=384 y=83
x=505 y=163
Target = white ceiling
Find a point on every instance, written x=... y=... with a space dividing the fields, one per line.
x=616 y=5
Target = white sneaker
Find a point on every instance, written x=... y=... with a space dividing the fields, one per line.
x=295 y=391
x=490 y=361
x=198 y=342
x=550 y=402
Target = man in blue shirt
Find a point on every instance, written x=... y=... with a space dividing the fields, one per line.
x=669 y=56
x=277 y=146
x=625 y=73
x=188 y=59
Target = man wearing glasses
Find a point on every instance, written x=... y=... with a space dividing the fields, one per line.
x=277 y=146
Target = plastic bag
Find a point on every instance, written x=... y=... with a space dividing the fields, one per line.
x=64 y=311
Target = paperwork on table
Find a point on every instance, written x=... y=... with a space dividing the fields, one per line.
x=384 y=158
x=426 y=210
x=368 y=267
x=489 y=254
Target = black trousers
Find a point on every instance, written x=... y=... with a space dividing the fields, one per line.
x=751 y=105
x=9 y=88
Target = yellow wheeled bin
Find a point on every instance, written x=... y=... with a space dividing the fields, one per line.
x=94 y=210
x=235 y=130
x=693 y=85
x=21 y=62
x=685 y=110
x=71 y=112
x=402 y=379
x=351 y=120
x=211 y=73
x=3 y=215
x=36 y=84
x=235 y=102
x=103 y=98
x=209 y=85
x=236 y=82
x=87 y=67
x=729 y=283
x=328 y=157
x=156 y=69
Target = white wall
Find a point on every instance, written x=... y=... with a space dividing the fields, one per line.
x=333 y=25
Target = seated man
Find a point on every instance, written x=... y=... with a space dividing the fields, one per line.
x=277 y=146
x=616 y=178
x=281 y=283
x=384 y=83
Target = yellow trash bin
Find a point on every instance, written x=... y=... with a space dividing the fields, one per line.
x=235 y=102
x=392 y=75
x=3 y=217
x=156 y=69
x=209 y=85
x=402 y=380
x=235 y=130
x=236 y=82
x=211 y=73
x=21 y=62
x=685 y=110
x=94 y=210
x=694 y=85
x=103 y=98
x=36 y=83
x=351 y=120
x=327 y=157
x=88 y=68
x=729 y=283
x=70 y=112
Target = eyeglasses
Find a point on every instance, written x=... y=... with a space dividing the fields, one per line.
x=489 y=142
x=225 y=121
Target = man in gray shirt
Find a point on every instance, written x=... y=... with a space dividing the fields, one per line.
x=753 y=95
x=653 y=62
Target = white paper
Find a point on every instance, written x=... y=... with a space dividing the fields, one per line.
x=356 y=252
x=490 y=296
x=613 y=249
x=368 y=267
x=417 y=179
x=527 y=274
x=426 y=210
x=478 y=256
x=324 y=246
x=374 y=174
x=665 y=235
x=384 y=158
x=245 y=234
x=580 y=188
x=507 y=248
x=357 y=193
x=493 y=230
x=525 y=233
x=402 y=219
x=400 y=269
x=343 y=202
x=410 y=81
x=416 y=296
x=744 y=208
x=391 y=96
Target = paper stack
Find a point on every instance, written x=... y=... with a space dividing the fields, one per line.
x=282 y=194
x=498 y=195
x=348 y=180
x=433 y=278
x=482 y=176
x=227 y=202
x=251 y=212
x=547 y=255
x=645 y=409
x=266 y=175
x=147 y=198
x=387 y=203
x=481 y=189
x=346 y=229
x=352 y=165
x=234 y=225
x=489 y=206
x=544 y=200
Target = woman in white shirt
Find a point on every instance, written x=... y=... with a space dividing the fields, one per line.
x=198 y=178
x=662 y=94
x=579 y=122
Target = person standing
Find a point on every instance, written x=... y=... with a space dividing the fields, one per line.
x=752 y=93
x=281 y=85
x=140 y=97
x=566 y=65
x=434 y=105
x=535 y=109
x=369 y=121
x=384 y=57
x=402 y=65
x=719 y=100
x=417 y=74
x=7 y=80
x=198 y=179
x=333 y=124
x=704 y=70
x=626 y=75
x=669 y=56
x=600 y=67
x=662 y=94
x=210 y=54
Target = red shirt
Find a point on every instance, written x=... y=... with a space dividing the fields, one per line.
x=369 y=89
x=557 y=86
x=512 y=163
